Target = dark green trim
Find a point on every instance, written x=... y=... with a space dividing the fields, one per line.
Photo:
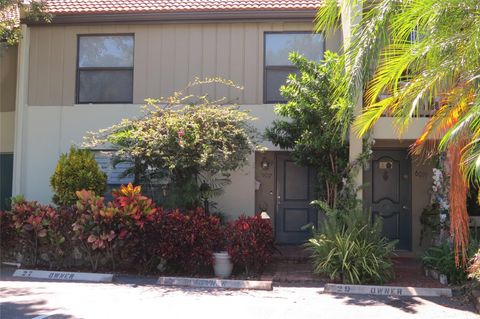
x=6 y=175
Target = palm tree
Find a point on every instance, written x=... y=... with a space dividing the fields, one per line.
x=408 y=53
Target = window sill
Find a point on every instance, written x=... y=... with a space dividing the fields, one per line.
x=105 y=104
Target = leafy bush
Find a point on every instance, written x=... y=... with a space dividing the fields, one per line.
x=137 y=214
x=114 y=230
x=7 y=235
x=184 y=141
x=442 y=259
x=474 y=268
x=250 y=242
x=42 y=233
x=308 y=123
x=350 y=248
x=187 y=240
x=128 y=233
x=95 y=228
x=75 y=171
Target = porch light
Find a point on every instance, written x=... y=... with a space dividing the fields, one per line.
x=265 y=164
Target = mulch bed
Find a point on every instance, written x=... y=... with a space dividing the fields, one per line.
x=409 y=273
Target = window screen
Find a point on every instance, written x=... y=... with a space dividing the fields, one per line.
x=105 y=69
x=277 y=66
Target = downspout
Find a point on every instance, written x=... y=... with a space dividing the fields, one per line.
x=18 y=185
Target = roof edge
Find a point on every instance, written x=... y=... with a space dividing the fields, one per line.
x=171 y=17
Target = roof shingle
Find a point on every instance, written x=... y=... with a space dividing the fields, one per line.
x=74 y=7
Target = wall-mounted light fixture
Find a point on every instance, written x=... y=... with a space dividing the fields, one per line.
x=265 y=164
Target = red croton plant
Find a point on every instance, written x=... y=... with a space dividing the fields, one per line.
x=131 y=233
x=250 y=242
x=107 y=225
x=186 y=240
x=38 y=234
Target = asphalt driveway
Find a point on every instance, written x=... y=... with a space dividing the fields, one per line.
x=30 y=299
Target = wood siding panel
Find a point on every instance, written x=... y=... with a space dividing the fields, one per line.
x=168 y=61
x=167 y=57
x=69 y=65
x=154 y=57
x=45 y=69
x=223 y=59
x=8 y=78
x=181 y=48
x=209 y=63
x=195 y=57
x=237 y=61
x=140 y=68
x=56 y=56
x=251 y=67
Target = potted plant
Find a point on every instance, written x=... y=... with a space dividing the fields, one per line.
x=222 y=261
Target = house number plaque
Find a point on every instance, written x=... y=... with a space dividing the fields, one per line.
x=385 y=165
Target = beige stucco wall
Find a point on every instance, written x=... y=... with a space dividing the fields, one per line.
x=50 y=131
x=421 y=185
x=167 y=57
x=387 y=128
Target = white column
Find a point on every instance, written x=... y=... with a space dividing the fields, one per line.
x=351 y=15
x=20 y=110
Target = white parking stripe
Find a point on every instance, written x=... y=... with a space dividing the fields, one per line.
x=46 y=315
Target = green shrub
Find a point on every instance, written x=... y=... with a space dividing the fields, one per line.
x=189 y=142
x=307 y=124
x=474 y=268
x=350 y=248
x=442 y=259
x=41 y=233
x=250 y=242
x=75 y=171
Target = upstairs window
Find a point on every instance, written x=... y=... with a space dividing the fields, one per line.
x=277 y=66
x=105 y=69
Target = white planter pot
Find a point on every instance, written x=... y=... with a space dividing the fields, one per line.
x=427 y=272
x=443 y=279
x=435 y=274
x=222 y=264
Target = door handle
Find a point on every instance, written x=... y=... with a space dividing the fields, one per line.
x=405 y=207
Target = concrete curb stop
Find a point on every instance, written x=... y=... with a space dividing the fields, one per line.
x=63 y=275
x=214 y=283
x=476 y=299
x=387 y=291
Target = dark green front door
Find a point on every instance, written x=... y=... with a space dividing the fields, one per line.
x=6 y=173
x=294 y=192
x=388 y=194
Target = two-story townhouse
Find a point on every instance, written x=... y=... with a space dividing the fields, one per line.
x=97 y=61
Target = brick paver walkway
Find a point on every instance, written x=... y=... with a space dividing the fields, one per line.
x=291 y=265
